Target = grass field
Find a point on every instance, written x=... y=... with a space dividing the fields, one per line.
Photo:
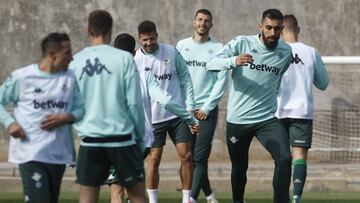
x=325 y=197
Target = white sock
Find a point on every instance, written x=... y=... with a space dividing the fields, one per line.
x=211 y=196
x=192 y=200
x=186 y=196
x=152 y=194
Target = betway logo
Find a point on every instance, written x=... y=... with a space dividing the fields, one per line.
x=50 y=104
x=196 y=63
x=265 y=68
x=166 y=76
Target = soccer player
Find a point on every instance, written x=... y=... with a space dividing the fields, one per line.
x=169 y=68
x=209 y=87
x=257 y=63
x=150 y=90
x=46 y=102
x=295 y=99
x=111 y=132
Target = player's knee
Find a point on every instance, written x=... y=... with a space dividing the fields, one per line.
x=186 y=158
x=153 y=161
x=285 y=159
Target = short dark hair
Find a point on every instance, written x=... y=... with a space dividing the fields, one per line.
x=146 y=27
x=273 y=14
x=52 y=42
x=125 y=42
x=203 y=11
x=290 y=23
x=100 y=23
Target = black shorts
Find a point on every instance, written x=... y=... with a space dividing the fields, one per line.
x=300 y=131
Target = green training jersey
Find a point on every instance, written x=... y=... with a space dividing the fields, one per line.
x=209 y=86
x=109 y=83
x=254 y=87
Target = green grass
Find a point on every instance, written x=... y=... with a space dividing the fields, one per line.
x=174 y=197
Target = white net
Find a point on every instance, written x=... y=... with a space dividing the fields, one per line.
x=336 y=135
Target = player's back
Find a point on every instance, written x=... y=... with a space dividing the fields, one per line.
x=104 y=75
x=295 y=93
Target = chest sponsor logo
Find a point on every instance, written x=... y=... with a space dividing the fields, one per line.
x=166 y=76
x=93 y=69
x=50 y=104
x=265 y=68
x=196 y=63
x=296 y=59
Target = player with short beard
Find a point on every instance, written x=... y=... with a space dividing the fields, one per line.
x=252 y=102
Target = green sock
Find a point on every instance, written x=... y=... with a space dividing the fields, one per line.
x=299 y=176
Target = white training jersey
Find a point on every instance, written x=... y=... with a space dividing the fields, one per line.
x=164 y=65
x=36 y=95
x=295 y=98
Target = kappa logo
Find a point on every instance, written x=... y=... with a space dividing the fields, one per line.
x=38 y=90
x=296 y=59
x=254 y=51
x=91 y=69
x=166 y=61
x=233 y=139
x=297 y=180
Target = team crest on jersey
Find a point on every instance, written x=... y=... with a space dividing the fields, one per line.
x=64 y=88
x=210 y=51
x=280 y=55
x=254 y=51
x=38 y=90
x=147 y=68
x=90 y=69
x=186 y=49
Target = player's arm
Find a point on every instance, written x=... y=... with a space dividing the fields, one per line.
x=216 y=93
x=230 y=56
x=185 y=81
x=163 y=98
x=9 y=93
x=321 y=78
x=76 y=113
x=134 y=101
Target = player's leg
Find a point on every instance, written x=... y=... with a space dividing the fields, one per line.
x=56 y=172
x=180 y=134
x=35 y=181
x=129 y=167
x=300 y=131
x=117 y=193
x=154 y=159
x=201 y=152
x=274 y=138
x=92 y=169
x=238 y=139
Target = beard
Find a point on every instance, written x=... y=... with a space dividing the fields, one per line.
x=269 y=44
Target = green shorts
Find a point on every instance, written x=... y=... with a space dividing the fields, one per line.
x=113 y=178
x=41 y=181
x=177 y=129
x=94 y=163
x=300 y=131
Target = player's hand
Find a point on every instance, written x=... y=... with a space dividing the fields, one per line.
x=16 y=131
x=195 y=129
x=244 y=59
x=200 y=115
x=55 y=120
